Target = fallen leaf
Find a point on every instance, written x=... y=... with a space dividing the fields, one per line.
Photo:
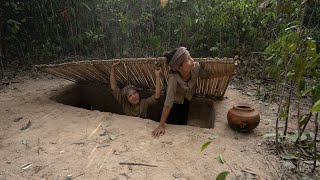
x=269 y=135
x=24 y=142
x=213 y=136
x=103 y=134
x=293 y=136
x=221 y=159
x=112 y=136
x=222 y=175
x=288 y=156
x=178 y=174
x=26 y=126
x=205 y=145
x=17 y=119
x=251 y=93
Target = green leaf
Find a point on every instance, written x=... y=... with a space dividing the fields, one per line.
x=11 y=21
x=307 y=91
x=279 y=62
x=301 y=84
x=220 y=159
x=269 y=135
x=288 y=156
x=271 y=57
x=155 y=41
x=310 y=135
x=264 y=4
x=163 y=3
x=213 y=49
x=213 y=136
x=222 y=175
x=85 y=5
x=290 y=74
x=316 y=107
x=292 y=47
x=205 y=145
x=293 y=136
x=303 y=120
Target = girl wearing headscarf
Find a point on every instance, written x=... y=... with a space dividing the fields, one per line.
x=184 y=73
x=129 y=97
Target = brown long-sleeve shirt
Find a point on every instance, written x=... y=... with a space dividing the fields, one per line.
x=178 y=89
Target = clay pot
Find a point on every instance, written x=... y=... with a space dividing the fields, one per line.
x=243 y=117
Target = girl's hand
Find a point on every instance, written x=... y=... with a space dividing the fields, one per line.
x=158 y=131
x=157 y=72
x=116 y=64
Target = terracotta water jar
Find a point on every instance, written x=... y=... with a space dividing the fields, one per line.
x=243 y=117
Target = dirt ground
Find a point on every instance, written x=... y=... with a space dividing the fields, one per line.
x=64 y=142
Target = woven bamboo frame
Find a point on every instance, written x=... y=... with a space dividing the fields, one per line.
x=140 y=72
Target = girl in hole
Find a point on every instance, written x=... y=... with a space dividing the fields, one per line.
x=183 y=76
x=129 y=97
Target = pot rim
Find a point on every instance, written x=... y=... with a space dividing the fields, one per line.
x=247 y=107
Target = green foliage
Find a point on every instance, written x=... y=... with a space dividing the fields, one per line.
x=213 y=136
x=293 y=136
x=269 y=135
x=223 y=175
x=288 y=156
x=293 y=60
x=220 y=159
x=205 y=145
x=135 y=29
x=316 y=107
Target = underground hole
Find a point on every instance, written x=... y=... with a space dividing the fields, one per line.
x=99 y=97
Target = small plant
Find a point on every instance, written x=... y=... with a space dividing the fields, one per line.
x=222 y=175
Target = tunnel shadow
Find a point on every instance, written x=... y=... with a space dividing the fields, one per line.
x=99 y=97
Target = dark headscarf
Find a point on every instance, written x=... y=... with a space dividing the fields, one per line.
x=126 y=90
x=181 y=54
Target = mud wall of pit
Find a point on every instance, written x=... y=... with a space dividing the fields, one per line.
x=99 y=97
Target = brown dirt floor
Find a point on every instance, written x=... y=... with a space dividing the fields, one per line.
x=64 y=140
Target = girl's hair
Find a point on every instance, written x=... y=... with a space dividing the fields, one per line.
x=126 y=90
x=169 y=55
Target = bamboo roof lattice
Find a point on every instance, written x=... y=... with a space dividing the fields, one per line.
x=140 y=72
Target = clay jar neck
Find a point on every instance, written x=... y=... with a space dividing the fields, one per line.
x=243 y=107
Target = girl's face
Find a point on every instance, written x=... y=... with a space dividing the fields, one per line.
x=133 y=97
x=187 y=65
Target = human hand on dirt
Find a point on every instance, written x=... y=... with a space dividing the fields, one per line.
x=158 y=131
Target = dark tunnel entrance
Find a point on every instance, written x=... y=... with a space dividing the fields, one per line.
x=99 y=97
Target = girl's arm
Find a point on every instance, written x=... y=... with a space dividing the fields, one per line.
x=171 y=91
x=113 y=81
x=160 y=129
x=158 y=85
